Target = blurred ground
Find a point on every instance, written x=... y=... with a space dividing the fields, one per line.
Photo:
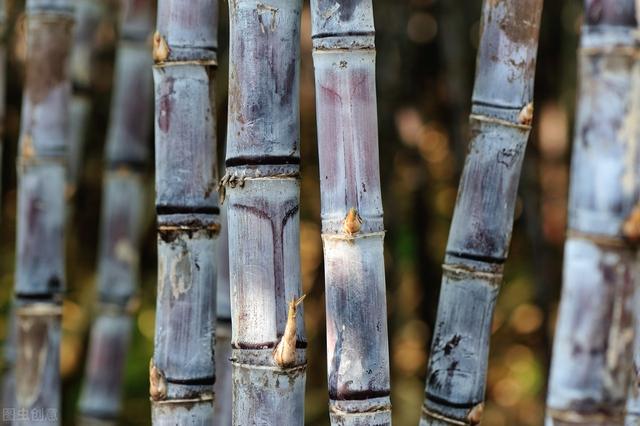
x=426 y=51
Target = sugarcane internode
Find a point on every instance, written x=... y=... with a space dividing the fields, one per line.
x=594 y=340
x=480 y=233
x=123 y=210
x=42 y=170
x=182 y=375
x=344 y=57
x=262 y=195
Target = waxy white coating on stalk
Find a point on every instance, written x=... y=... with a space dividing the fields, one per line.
x=262 y=191
x=589 y=377
x=41 y=164
x=101 y=395
x=122 y=217
x=482 y=222
x=352 y=227
x=185 y=45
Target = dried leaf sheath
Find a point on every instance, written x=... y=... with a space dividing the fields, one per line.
x=589 y=375
x=127 y=155
x=41 y=164
x=185 y=46
x=262 y=191
x=352 y=226
x=483 y=217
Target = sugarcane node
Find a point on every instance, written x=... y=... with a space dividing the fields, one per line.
x=157 y=382
x=631 y=226
x=475 y=414
x=526 y=115
x=352 y=222
x=160 y=48
x=284 y=353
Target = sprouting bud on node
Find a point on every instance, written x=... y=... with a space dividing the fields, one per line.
x=285 y=351
x=157 y=382
x=526 y=115
x=160 y=48
x=352 y=222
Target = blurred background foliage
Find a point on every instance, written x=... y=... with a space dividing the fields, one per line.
x=426 y=56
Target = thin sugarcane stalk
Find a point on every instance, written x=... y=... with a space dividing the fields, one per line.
x=9 y=349
x=262 y=160
x=87 y=19
x=4 y=25
x=182 y=372
x=351 y=202
x=592 y=353
x=454 y=49
x=500 y=123
x=223 y=328
x=632 y=417
x=9 y=353
x=127 y=155
x=42 y=160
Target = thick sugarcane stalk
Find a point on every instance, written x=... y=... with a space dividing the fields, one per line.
x=223 y=328
x=592 y=354
x=261 y=181
x=42 y=159
x=88 y=14
x=480 y=232
x=182 y=372
x=127 y=156
x=632 y=417
x=352 y=224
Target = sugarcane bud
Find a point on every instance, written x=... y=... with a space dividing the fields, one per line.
x=28 y=151
x=631 y=227
x=352 y=223
x=285 y=352
x=475 y=415
x=160 y=48
x=526 y=114
x=157 y=382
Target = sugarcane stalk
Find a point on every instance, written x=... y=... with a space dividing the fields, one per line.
x=352 y=217
x=41 y=164
x=223 y=328
x=182 y=372
x=9 y=349
x=589 y=376
x=480 y=233
x=454 y=49
x=127 y=156
x=4 y=25
x=261 y=182
x=632 y=416
x=88 y=14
